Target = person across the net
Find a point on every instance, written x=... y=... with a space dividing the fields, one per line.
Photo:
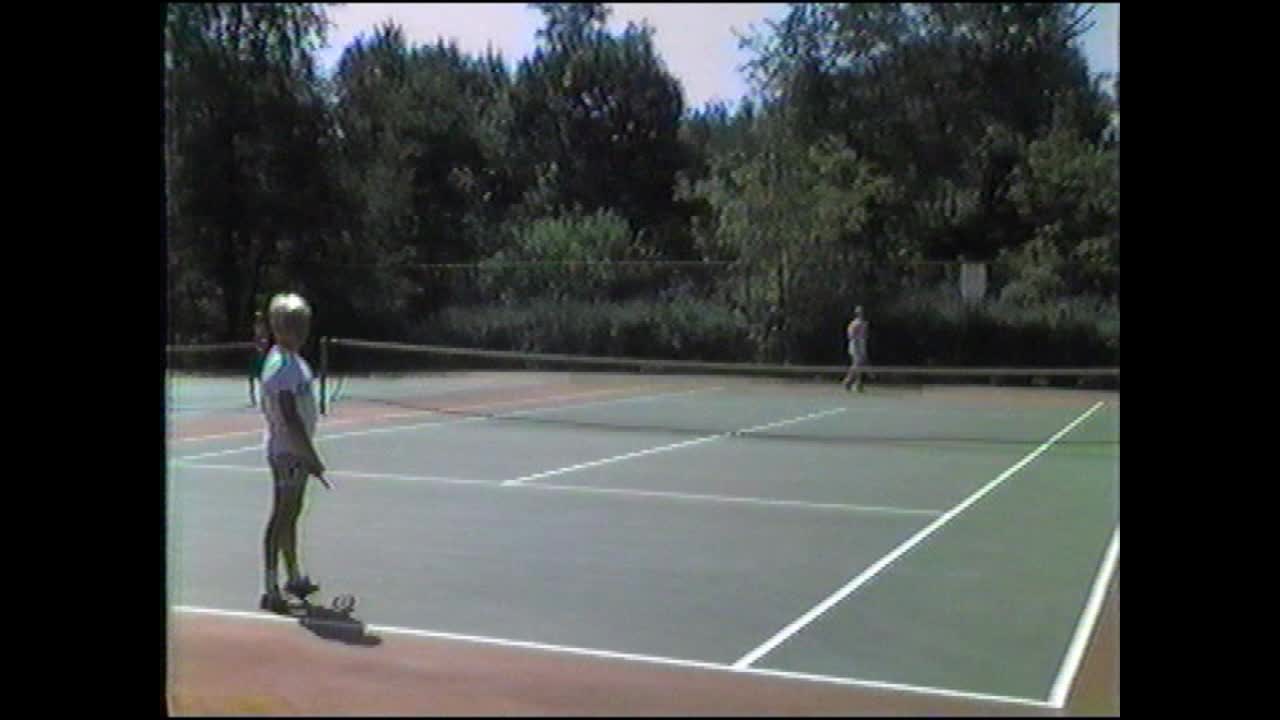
x=856 y=333
x=289 y=408
x=261 y=346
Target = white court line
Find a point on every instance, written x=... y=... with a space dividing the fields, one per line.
x=418 y=413
x=606 y=461
x=1075 y=652
x=348 y=421
x=326 y=422
x=219 y=436
x=899 y=551
x=666 y=448
x=373 y=431
x=633 y=657
x=985 y=412
x=732 y=499
x=249 y=469
x=441 y=423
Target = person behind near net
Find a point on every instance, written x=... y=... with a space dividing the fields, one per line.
x=261 y=346
x=289 y=407
x=856 y=333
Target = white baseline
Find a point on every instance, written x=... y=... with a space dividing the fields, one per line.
x=633 y=657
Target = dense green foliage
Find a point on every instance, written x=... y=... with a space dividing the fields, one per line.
x=573 y=203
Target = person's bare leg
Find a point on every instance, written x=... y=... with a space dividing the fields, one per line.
x=289 y=530
x=271 y=549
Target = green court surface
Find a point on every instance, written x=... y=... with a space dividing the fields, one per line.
x=188 y=393
x=944 y=541
x=992 y=599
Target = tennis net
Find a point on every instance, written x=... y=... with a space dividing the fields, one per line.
x=208 y=376
x=1018 y=405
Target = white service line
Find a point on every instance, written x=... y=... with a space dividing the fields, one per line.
x=631 y=398
x=1093 y=608
x=440 y=423
x=614 y=459
x=625 y=492
x=326 y=423
x=219 y=436
x=666 y=448
x=734 y=499
x=322 y=438
x=634 y=657
x=902 y=549
x=249 y=469
x=790 y=421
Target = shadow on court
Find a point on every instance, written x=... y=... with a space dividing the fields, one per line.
x=339 y=627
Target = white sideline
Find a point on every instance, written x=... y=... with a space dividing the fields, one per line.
x=875 y=569
x=1093 y=608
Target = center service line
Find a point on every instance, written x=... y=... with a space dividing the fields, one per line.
x=666 y=448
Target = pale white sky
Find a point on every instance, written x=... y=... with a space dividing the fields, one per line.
x=695 y=40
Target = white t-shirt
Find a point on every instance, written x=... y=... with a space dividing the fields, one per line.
x=283 y=370
x=858 y=339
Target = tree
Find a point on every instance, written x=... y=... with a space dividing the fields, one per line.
x=570 y=26
x=1069 y=192
x=595 y=123
x=804 y=225
x=580 y=257
x=243 y=133
x=943 y=96
x=424 y=131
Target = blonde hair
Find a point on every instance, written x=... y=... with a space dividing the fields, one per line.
x=290 y=315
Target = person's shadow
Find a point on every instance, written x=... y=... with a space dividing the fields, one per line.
x=333 y=625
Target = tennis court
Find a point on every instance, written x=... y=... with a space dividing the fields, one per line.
x=944 y=543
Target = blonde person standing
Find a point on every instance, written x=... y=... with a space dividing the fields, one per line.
x=856 y=333
x=289 y=407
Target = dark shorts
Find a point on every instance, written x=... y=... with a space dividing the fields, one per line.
x=287 y=470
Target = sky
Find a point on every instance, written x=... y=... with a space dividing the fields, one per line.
x=696 y=40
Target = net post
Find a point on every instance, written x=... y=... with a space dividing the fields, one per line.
x=324 y=375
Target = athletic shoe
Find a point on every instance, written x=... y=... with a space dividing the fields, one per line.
x=300 y=587
x=273 y=602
